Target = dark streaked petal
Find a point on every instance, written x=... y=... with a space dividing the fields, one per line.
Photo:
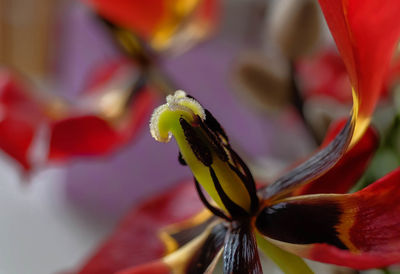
x=302 y=222
x=313 y=168
x=366 y=223
x=178 y=234
x=240 y=251
x=212 y=245
x=340 y=178
x=196 y=257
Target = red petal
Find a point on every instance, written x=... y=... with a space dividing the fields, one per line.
x=91 y=135
x=324 y=74
x=367 y=223
x=20 y=119
x=332 y=255
x=142 y=16
x=106 y=73
x=81 y=136
x=350 y=168
x=157 y=21
x=135 y=240
x=366 y=33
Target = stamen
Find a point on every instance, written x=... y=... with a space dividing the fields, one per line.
x=213 y=124
x=215 y=142
x=200 y=150
x=204 y=147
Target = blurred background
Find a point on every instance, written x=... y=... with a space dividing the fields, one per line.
x=78 y=82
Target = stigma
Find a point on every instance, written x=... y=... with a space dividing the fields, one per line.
x=205 y=148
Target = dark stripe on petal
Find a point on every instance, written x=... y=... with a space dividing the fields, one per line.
x=301 y=223
x=214 y=210
x=348 y=170
x=200 y=150
x=240 y=251
x=235 y=210
x=205 y=255
x=313 y=168
x=187 y=234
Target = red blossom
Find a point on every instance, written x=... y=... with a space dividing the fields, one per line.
x=358 y=230
x=73 y=130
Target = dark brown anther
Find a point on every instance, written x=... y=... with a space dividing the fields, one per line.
x=213 y=124
x=215 y=141
x=200 y=150
x=205 y=255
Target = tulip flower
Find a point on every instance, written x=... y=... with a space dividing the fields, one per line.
x=305 y=212
x=108 y=115
x=163 y=24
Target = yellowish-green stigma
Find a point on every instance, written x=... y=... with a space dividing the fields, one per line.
x=205 y=148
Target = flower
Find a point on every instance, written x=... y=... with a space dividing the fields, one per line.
x=359 y=230
x=164 y=24
x=108 y=115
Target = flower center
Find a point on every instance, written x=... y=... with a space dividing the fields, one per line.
x=205 y=148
